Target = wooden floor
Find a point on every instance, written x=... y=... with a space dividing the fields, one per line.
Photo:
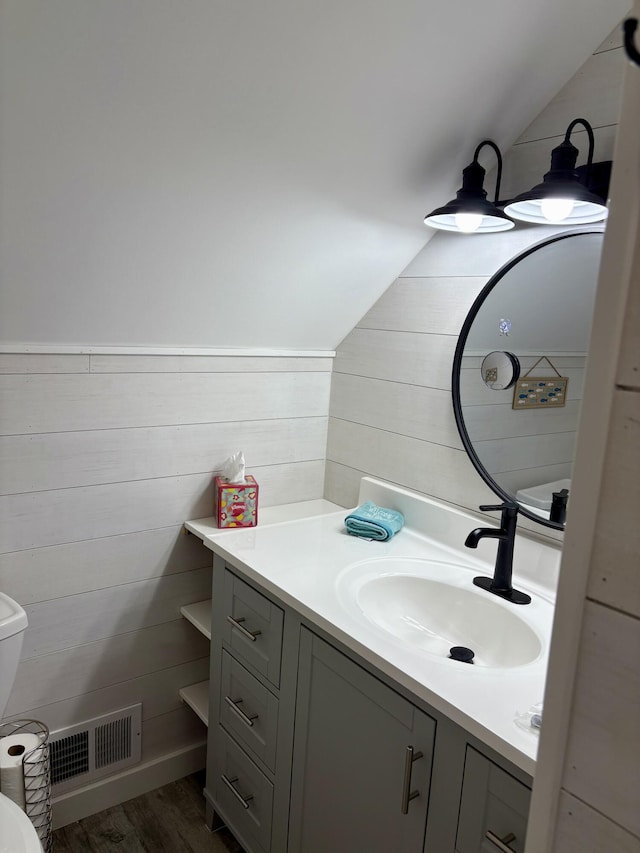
x=167 y=820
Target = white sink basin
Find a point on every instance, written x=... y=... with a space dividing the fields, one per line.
x=432 y=606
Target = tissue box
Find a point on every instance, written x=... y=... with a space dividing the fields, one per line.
x=236 y=504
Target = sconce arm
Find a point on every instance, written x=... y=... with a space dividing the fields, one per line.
x=499 y=156
x=589 y=130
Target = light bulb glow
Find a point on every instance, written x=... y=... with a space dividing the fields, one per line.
x=556 y=209
x=468 y=222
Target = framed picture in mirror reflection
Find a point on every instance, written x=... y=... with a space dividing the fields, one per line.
x=540 y=392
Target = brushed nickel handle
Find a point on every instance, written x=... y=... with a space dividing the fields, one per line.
x=407 y=793
x=501 y=843
x=250 y=635
x=243 y=800
x=233 y=704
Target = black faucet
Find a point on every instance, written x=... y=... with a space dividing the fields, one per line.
x=558 y=511
x=500 y=583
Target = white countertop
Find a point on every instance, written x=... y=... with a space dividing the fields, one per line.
x=301 y=561
x=205 y=527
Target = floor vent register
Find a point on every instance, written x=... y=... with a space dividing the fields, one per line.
x=98 y=747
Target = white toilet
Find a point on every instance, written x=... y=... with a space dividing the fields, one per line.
x=17 y=833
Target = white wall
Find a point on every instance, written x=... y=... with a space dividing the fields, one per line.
x=102 y=459
x=391 y=414
x=209 y=173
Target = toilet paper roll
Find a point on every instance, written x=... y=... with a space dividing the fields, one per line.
x=13 y=749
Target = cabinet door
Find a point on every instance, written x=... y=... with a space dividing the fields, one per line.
x=493 y=809
x=355 y=786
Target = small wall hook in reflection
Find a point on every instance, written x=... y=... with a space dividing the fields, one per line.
x=630 y=26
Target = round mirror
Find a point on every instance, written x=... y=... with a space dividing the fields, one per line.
x=535 y=313
x=499 y=370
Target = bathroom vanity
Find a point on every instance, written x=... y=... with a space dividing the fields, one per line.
x=338 y=720
x=334 y=725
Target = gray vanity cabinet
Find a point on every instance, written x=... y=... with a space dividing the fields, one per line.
x=250 y=716
x=362 y=760
x=310 y=751
x=493 y=809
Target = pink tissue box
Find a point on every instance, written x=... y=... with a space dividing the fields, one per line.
x=236 y=504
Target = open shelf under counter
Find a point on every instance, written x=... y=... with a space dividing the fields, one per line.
x=196 y=696
x=199 y=614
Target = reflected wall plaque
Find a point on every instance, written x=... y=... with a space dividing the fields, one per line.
x=540 y=392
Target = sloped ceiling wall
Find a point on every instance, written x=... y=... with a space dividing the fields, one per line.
x=224 y=174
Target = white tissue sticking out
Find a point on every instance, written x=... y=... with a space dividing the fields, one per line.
x=233 y=468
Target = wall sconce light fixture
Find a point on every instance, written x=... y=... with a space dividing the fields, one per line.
x=561 y=198
x=470 y=212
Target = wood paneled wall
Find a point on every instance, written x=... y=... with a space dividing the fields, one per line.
x=391 y=414
x=102 y=458
x=599 y=807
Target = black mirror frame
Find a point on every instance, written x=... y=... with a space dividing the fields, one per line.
x=457 y=364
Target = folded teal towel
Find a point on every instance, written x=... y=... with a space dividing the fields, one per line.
x=374 y=522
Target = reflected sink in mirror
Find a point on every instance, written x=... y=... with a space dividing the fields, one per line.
x=431 y=606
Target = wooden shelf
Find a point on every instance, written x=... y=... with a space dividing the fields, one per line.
x=199 y=614
x=196 y=696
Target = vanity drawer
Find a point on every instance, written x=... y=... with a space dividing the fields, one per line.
x=493 y=803
x=252 y=627
x=244 y=793
x=248 y=711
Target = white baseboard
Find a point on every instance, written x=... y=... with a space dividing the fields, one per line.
x=132 y=782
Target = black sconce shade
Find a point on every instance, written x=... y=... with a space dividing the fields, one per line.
x=470 y=212
x=561 y=198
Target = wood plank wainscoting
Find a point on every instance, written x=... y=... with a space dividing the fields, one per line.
x=102 y=458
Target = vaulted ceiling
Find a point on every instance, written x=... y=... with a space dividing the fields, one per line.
x=217 y=173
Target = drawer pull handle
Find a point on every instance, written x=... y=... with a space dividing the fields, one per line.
x=250 y=635
x=230 y=785
x=407 y=793
x=501 y=843
x=233 y=704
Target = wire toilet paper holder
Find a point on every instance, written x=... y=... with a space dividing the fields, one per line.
x=37 y=777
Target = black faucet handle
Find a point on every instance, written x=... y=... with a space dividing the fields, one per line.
x=508 y=505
